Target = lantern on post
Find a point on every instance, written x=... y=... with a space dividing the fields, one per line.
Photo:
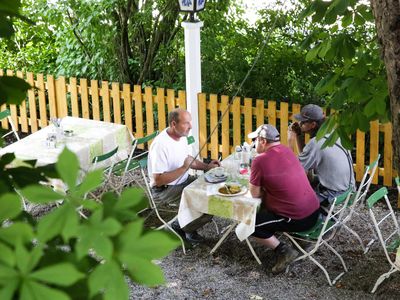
x=192 y=7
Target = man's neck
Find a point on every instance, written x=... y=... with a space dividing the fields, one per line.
x=269 y=146
x=172 y=134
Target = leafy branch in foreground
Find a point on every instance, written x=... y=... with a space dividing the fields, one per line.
x=64 y=256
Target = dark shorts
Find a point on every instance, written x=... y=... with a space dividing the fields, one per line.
x=268 y=223
x=170 y=193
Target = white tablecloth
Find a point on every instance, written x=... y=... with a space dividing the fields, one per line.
x=200 y=197
x=90 y=138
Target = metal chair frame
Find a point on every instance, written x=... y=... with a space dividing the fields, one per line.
x=389 y=239
x=357 y=201
x=321 y=234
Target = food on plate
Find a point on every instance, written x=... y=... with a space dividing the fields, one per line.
x=230 y=189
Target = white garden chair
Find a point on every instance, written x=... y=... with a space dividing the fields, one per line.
x=122 y=171
x=389 y=237
x=323 y=231
x=152 y=204
x=357 y=201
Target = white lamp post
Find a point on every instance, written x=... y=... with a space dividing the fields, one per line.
x=193 y=61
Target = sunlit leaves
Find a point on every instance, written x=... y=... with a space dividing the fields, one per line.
x=10 y=206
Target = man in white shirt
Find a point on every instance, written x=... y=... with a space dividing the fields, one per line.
x=168 y=164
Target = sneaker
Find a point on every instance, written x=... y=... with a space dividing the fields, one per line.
x=194 y=237
x=177 y=228
x=286 y=254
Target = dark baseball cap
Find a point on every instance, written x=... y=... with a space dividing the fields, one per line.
x=310 y=112
x=265 y=131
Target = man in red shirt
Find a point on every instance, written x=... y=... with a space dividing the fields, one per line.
x=289 y=203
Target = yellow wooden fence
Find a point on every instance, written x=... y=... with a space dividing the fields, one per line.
x=144 y=110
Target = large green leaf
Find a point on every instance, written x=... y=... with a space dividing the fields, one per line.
x=7 y=255
x=16 y=232
x=27 y=261
x=12 y=89
x=68 y=167
x=41 y=194
x=151 y=245
x=6 y=29
x=91 y=181
x=108 y=279
x=7 y=273
x=10 y=206
x=8 y=289
x=144 y=271
x=32 y=290
x=63 y=274
x=63 y=220
x=94 y=235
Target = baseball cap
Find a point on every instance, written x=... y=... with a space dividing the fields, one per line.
x=310 y=112
x=265 y=131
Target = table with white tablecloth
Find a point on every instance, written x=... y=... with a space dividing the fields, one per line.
x=89 y=138
x=202 y=197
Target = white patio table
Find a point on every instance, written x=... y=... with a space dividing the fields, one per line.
x=89 y=138
x=201 y=197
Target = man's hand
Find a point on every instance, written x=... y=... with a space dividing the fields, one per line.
x=295 y=127
x=213 y=164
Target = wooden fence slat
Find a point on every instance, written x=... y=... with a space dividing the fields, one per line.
x=162 y=123
x=22 y=110
x=42 y=101
x=248 y=119
x=116 y=101
x=374 y=146
x=32 y=102
x=94 y=91
x=272 y=112
x=170 y=100
x=73 y=86
x=126 y=95
x=203 y=125
x=360 y=154
x=61 y=97
x=225 y=131
x=260 y=112
x=387 y=155
x=137 y=97
x=52 y=96
x=182 y=99
x=84 y=98
x=284 y=112
x=214 y=126
x=148 y=98
x=237 y=137
x=105 y=99
x=13 y=107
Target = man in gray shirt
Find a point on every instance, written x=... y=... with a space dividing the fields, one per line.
x=332 y=166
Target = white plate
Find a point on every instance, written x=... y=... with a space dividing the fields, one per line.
x=242 y=192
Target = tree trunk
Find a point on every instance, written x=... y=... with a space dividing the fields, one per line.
x=387 y=20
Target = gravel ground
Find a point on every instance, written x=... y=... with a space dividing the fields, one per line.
x=233 y=273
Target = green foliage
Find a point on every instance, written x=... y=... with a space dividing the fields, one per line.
x=64 y=256
x=12 y=89
x=355 y=86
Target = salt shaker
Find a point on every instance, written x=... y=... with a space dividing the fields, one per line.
x=238 y=153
